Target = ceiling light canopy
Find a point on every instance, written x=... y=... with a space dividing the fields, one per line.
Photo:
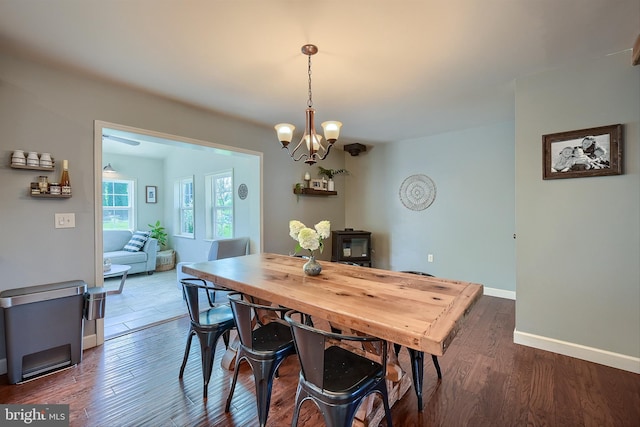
x=313 y=148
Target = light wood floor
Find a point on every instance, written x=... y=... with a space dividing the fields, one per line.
x=132 y=380
x=146 y=300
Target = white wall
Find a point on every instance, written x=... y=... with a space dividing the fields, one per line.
x=198 y=164
x=469 y=227
x=578 y=246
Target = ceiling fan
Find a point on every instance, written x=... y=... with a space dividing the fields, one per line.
x=120 y=139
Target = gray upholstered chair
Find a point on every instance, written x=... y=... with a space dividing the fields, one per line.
x=220 y=249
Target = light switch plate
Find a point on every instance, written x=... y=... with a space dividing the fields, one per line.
x=65 y=220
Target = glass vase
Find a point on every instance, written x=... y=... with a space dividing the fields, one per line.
x=312 y=267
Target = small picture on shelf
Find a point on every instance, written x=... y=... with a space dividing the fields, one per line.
x=316 y=184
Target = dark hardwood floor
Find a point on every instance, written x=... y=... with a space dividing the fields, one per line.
x=487 y=380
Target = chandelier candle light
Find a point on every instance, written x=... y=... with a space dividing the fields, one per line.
x=311 y=240
x=317 y=150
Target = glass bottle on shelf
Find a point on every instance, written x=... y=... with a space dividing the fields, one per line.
x=65 y=183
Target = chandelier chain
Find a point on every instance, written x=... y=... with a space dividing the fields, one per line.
x=310 y=101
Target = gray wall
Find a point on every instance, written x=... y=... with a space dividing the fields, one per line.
x=473 y=210
x=578 y=240
x=46 y=109
x=574 y=286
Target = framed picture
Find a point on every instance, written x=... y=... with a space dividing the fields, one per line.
x=316 y=184
x=152 y=194
x=582 y=153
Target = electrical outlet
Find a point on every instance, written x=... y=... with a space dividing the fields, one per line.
x=65 y=220
x=430 y=257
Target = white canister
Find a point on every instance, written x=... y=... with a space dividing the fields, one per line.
x=45 y=160
x=32 y=159
x=18 y=158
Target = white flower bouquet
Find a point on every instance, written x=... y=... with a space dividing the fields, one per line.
x=310 y=239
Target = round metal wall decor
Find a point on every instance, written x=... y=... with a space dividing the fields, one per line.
x=417 y=192
x=243 y=191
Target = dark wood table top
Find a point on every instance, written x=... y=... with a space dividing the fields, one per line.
x=423 y=313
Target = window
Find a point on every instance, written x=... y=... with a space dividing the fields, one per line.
x=184 y=203
x=219 y=200
x=118 y=204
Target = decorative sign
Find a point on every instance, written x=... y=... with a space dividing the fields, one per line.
x=243 y=191
x=417 y=192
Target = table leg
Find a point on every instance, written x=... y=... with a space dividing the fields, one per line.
x=119 y=290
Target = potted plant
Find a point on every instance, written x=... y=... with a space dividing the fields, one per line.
x=330 y=173
x=298 y=190
x=158 y=232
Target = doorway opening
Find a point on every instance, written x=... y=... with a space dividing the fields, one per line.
x=151 y=160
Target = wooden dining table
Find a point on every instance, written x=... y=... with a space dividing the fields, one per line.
x=419 y=312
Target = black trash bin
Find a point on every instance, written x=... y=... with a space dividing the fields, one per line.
x=43 y=328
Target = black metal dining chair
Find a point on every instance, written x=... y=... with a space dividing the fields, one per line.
x=417 y=358
x=207 y=324
x=265 y=342
x=219 y=249
x=335 y=378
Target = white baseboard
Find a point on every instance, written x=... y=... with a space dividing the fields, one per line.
x=500 y=293
x=590 y=354
x=87 y=342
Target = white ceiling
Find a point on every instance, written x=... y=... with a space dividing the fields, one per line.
x=389 y=70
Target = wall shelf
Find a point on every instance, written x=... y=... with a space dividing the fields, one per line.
x=51 y=196
x=313 y=192
x=33 y=168
x=41 y=169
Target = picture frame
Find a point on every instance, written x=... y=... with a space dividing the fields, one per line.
x=316 y=184
x=582 y=153
x=151 y=194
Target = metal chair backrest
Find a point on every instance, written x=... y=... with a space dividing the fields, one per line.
x=251 y=314
x=312 y=342
x=191 y=290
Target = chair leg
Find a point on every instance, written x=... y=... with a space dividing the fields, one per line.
x=226 y=337
x=264 y=374
x=340 y=415
x=296 y=408
x=206 y=350
x=385 y=402
x=437 y=365
x=186 y=353
x=208 y=343
x=233 y=383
